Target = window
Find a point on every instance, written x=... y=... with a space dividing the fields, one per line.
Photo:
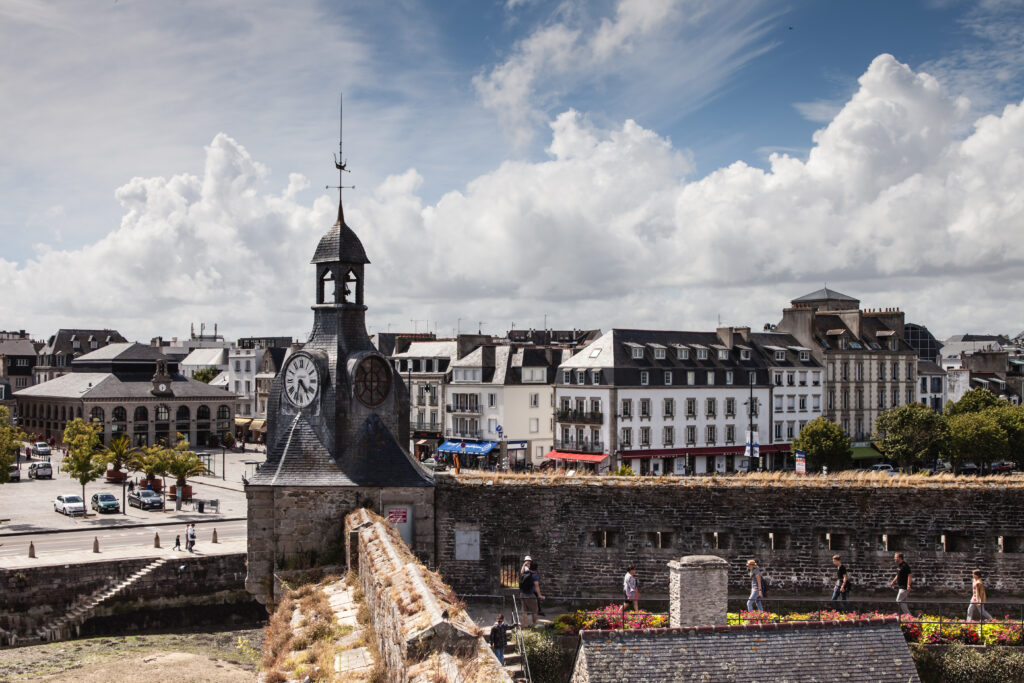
x=780 y=355
x=744 y=354
x=645 y=436
x=691 y=407
x=248 y=366
x=691 y=435
x=711 y=377
x=710 y=406
x=638 y=352
x=566 y=376
x=723 y=354
x=845 y=370
x=248 y=386
x=790 y=426
x=805 y=356
x=802 y=404
x=163 y=413
x=751 y=377
x=752 y=409
x=682 y=354
x=668 y=378
x=534 y=425
x=730 y=433
x=566 y=404
x=778 y=431
x=668 y=436
x=711 y=434
x=778 y=379
x=895 y=371
x=816 y=379
x=778 y=403
x=93 y=345
x=702 y=354
x=881 y=398
x=846 y=399
x=627 y=437
x=534 y=400
x=790 y=379
x=76 y=344
x=645 y=407
x=627 y=408
x=895 y=396
x=728 y=377
x=730 y=407
x=21 y=382
x=881 y=370
x=910 y=370
x=669 y=405
x=659 y=353
x=644 y=378
x=658 y=539
x=802 y=381
x=492 y=400
x=238 y=366
x=581 y=377
x=691 y=378
x=595 y=377
x=595 y=405
x=238 y=386
x=602 y=539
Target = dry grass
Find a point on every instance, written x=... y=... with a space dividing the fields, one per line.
x=853 y=478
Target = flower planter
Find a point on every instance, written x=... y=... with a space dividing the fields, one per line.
x=157 y=484
x=186 y=492
x=116 y=476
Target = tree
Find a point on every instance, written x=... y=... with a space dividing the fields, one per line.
x=84 y=462
x=228 y=440
x=825 y=443
x=182 y=463
x=1011 y=419
x=205 y=375
x=151 y=460
x=10 y=441
x=911 y=434
x=974 y=401
x=974 y=437
x=118 y=453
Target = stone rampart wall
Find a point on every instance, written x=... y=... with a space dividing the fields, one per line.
x=585 y=531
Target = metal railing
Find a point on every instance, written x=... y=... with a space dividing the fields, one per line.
x=584 y=446
x=463 y=408
x=520 y=641
x=580 y=416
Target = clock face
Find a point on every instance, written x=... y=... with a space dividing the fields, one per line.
x=162 y=387
x=372 y=381
x=301 y=380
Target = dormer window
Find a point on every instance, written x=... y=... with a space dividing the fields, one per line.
x=595 y=377
x=566 y=376
x=780 y=355
x=744 y=354
x=702 y=354
x=659 y=353
x=638 y=353
x=668 y=378
x=644 y=378
x=581 y=377
x=723 y=354
x=805 y=356
x=682 y=353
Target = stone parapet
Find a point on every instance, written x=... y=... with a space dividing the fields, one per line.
x=698 y=589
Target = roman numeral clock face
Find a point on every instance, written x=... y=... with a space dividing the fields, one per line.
x=301 y=380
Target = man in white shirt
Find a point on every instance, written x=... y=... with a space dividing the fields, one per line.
x=629 y=587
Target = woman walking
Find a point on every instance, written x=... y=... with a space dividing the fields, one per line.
x=756 y=587
x=978 y=597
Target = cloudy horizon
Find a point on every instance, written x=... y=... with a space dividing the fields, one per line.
x=548 y=173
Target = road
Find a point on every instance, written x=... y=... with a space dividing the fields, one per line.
x=118 y=538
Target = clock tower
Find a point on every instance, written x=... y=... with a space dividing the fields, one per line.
x=337 y=430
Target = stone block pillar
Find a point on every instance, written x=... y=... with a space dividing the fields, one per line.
x=698 y=590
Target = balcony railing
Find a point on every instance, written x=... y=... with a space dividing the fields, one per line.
x=585 y=446
x=581 y=416
x=463 y=408
x=425 y=426
x=464 y=433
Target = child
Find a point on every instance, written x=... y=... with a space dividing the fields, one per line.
x=177 y=542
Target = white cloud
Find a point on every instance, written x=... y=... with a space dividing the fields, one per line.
x=894 y=204
x=696 y=45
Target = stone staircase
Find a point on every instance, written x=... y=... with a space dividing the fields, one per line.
x=514 y=661
x=66 y=626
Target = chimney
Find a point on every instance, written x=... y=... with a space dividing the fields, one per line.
x=725 y=336
x=698 y=589
x=744 y=333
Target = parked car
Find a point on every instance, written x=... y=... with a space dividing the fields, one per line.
x=969 y=468
x=40 y=448
x=40 y=470
x=69 y=505
x=1003 y=467
x=144 y=499
x=13 y=473
x=104 y=502
x=888 y=469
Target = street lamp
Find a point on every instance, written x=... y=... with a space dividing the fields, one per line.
x=223 y=459
x=124 y=487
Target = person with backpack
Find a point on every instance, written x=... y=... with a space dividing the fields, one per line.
x=757 y=586
x=842 y=587
x=529 y=591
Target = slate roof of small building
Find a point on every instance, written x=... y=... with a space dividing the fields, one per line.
x=825 y=294
x=430 y=349
x=62 y=340
x=504 y=363
x=862 y=651
x=97 y=385
x=340 y=244
x=926 y=367
x=17 y=347
x=122 y=351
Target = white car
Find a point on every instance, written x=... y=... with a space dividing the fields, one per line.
x=69 y=505
x=40 y=448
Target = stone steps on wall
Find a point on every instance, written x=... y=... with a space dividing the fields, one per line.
x=61 y=628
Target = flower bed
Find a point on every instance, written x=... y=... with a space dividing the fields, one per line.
x=927 y=629
x=610 y=617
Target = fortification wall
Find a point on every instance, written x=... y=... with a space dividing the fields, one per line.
x=584 y=531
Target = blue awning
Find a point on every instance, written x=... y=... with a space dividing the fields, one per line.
x=471 y=447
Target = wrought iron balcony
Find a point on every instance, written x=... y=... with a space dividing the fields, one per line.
x=593 y=417
x=585 y=446
x=464 y=433
x=463 y=408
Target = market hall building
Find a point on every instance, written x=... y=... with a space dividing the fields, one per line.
x=132 y=389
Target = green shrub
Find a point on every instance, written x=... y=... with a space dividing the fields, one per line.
x=548 y=662
x=963 y=664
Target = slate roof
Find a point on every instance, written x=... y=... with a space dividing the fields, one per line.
x=873 y=331
x=504 y=363
x=61 y=342
x=122 y=351
x=340 y=244
x=99 y=385
x=862 y=651
x=17 y=347
x=430 y=349
x=926 y=367
x=825 y=294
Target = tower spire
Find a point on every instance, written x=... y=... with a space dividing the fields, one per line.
x=339 y=160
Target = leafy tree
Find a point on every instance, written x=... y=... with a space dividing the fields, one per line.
x=10 y=441
x=1011 y=419
x=974 y=437
x=974 y=401
x=118 y=453
x=151 y=460
x=206 y=375
x=228 y=440
x=825 y=443
x=84 y=462
x=911 y=434
x=182 y=463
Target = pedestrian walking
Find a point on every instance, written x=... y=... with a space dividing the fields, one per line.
x=756 y=587
x=529 y=591
x=499 y=637
x=177 y=542
x=978 y=598
x=190 y=537
x=839 y=592
x=526 y=564
x=902 y=582
x=631 y=589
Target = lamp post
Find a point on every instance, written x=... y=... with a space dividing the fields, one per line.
x=124 y=487
x=223 y=459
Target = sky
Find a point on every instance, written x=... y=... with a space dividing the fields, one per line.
x=664 y=164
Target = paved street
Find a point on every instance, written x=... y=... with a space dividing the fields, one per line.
x=113 y=540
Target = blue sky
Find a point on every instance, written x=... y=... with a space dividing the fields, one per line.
x=442 y=100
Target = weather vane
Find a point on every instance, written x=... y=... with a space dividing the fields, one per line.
x=339 y=159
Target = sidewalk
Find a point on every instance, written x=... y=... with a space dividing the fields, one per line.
x=204 y=548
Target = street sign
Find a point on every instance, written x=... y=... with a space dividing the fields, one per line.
x=498 y=429
x=801 y=462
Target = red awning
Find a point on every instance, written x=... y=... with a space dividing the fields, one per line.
x=578 y=457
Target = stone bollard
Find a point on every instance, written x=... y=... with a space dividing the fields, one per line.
x=95 y=544
x=214 y=536
x=31 y=550
x=156 y=540
x=698 y=589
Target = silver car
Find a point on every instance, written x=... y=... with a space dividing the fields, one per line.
x=69 y=505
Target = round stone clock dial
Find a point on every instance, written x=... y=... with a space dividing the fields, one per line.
x=372 y=381
x=301 y=380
